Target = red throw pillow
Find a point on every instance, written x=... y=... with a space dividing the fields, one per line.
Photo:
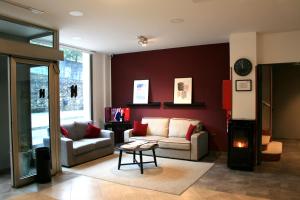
x=64 y=132
x=92 y=131
x=189 y=133
x=139 y=129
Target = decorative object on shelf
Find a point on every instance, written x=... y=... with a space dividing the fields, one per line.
x=120 y=114
x=243 y=85
x=183 y=91
x=140 y=91
x=192 y=105
x=243 y=67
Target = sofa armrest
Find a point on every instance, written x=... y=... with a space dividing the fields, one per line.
x=127 y=135
x=199 y=145
x=108 y=134
x=66 y=151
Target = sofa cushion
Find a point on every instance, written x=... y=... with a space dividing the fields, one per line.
x=190 y=131
x=80 y=129
x=178 y=127
x=98 y=142
x=147 y=138
x=71 y=130
x=92 y=131
x=64 y=132
x=174 y=143
x=157 y=126
x=139 y=129
x=83 y=146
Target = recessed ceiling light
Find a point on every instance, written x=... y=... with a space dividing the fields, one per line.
x=76 y=38
x=76 y=13
x=177 y=20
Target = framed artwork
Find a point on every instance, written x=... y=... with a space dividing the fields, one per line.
x=183 y=91
x=140 y=91
x=243 y=85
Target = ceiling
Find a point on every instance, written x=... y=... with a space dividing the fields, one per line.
x=112 y=26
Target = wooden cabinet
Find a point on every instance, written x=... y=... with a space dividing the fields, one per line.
x=118 y=128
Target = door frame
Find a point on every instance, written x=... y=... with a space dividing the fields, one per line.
x=53 y=119
x=259 y=112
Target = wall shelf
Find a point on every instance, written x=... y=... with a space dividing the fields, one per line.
x=192 y=105
x=150 y=104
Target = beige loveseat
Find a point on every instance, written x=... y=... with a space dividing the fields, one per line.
x=169 y=134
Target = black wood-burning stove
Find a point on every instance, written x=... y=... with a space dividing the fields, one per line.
x=241 y=145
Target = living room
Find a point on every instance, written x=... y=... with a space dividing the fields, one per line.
x=181 y=42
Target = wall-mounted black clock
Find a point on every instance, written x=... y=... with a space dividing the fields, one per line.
x=243 y=67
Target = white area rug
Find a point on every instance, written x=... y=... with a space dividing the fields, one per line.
x=171 y=176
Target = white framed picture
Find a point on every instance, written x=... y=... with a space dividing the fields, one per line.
x=183 y=91
x=243 y=85
x=140 y=91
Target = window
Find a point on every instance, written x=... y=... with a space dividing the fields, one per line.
x=75 y=86
x=46 y=41
x=11 y=29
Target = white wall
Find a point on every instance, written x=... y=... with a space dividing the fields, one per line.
x=262 y=48
x=243 y=45
x=278 y=47
x=101 y=86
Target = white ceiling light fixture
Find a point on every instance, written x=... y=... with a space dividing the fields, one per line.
x=76 y=13
x=142 y=40
x=28 y=8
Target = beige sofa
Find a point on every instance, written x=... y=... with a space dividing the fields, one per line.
x=77 y=149
x=169 y=134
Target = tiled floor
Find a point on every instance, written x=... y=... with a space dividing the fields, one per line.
x=275 y=180
x=271 y=180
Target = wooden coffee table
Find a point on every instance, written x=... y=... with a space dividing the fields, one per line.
x=134 y=147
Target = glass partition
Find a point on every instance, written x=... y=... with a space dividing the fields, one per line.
x=75 y=86
x=27 y=33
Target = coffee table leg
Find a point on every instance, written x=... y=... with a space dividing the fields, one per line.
x=134 y=157
x=154 y=157
x=120 y=159
x=141 y=162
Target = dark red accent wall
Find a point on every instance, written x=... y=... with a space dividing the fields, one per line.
x=208 y=65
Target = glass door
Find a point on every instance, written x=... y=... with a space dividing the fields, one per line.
x=31 y=121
